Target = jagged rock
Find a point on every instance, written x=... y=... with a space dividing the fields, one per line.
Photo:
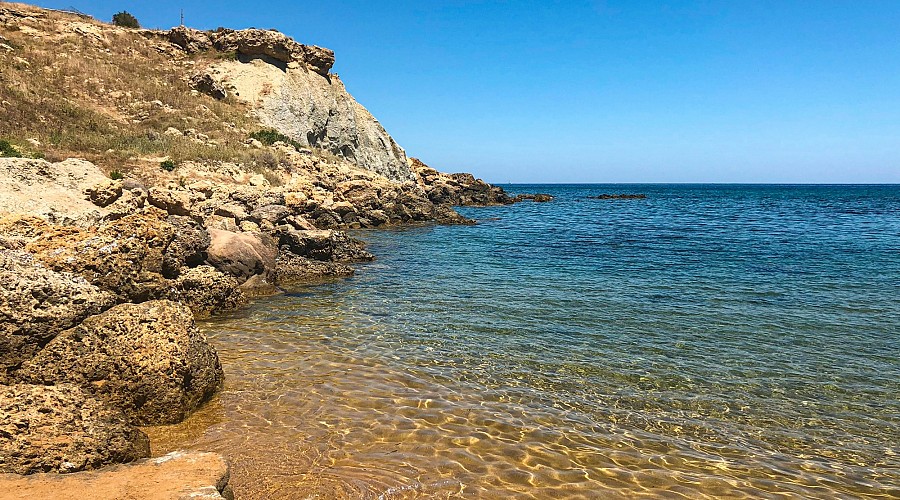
x=104 y=193
x=188 y=246
x=124 y=256
x=204 y=82
x=322 y=245
x=191 y=40
x=457 y=189
x=278 y=46
x=36 y=304
x=62 y=429
x=179 y=475
x=175 y=201
x=270 y=213
x=290 y=268
x=206 y=290
x=537 y=198
x=241 y=255
x=147 y=359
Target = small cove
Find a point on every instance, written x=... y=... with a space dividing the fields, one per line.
x=709 y=341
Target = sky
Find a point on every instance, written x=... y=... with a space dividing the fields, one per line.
x=605 y=91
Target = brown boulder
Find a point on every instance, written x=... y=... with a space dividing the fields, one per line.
x=206 y=291
x=62 y=429
x=147 y=359
x=241 y=255
x=290 y=268
x=278 y=46
x=37 y=303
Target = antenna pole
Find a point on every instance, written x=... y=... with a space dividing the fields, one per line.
x=182 y=17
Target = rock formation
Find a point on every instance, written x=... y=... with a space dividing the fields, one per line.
x=178 y=475
x=148 y=359
x=61 y=429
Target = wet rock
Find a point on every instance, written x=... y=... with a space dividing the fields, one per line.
x=36 y=304
x=176 y=476
x=537 y=198
x=206 y=291
x=241 y=255
x=619 y=197
x=147 y=359
x=323 y=245
x=290 y=268
x=62 y=429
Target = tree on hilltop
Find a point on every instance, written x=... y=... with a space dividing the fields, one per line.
x=125 y=19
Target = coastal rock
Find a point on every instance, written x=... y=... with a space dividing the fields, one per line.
x=188 y=245
x=176 y=476
x=104 y=193
x=206 y=291
x=36 y=304
x=323 y=245
x=290 y=269
x=124 y=256
x=537 y=198
x=619 y=197
x=241 y=255
x=457 y=189
x=62 y=429
x=147 y=359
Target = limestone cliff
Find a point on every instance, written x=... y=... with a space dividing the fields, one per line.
x=291 y=90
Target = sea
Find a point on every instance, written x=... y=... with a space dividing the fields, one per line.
x=707 y=341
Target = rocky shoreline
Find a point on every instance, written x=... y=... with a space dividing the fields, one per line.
x=102 y=273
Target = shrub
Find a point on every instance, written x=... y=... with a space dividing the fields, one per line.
x=126 y=20
x=270 y=136
x=7 y=150
x=116 y=175
x=167 y=165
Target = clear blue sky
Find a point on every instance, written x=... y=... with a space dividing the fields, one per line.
x=606 y=91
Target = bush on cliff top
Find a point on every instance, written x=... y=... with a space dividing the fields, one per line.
x=125 y=19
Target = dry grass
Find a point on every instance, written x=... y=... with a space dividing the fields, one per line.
x=93 y=96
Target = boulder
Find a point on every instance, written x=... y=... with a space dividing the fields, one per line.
x=290 y=269
x=124 y=256
x=205 y=83
x=178 y=475
x=241 y=255
x=37 y=303
x=188 y=245
x=270 y=213
x=322 y=245
x=206 y=291
x=53 y=191
x=147 y=359
x=62 y=429
x=104 y=193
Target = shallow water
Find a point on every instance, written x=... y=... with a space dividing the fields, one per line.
x=707 y=342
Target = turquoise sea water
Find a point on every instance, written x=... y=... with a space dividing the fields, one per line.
x=708 y=341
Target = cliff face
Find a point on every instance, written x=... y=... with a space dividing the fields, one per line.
x=289 y=86
x=314 y=110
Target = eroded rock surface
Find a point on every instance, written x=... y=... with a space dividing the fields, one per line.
x=457 y=189
x=54 y=191
x=37 y=303
x=148 y=359
x=180 y=475
x=61 y=428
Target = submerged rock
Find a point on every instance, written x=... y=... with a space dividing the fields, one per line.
x=178 y=475
x=62 y=429
x=148 y=359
